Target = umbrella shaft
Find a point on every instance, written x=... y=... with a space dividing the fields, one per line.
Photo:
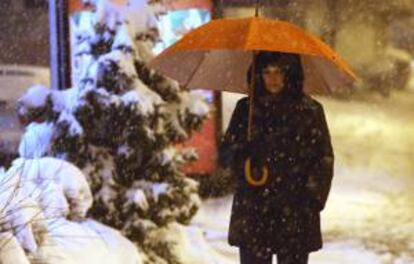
x=251 y=97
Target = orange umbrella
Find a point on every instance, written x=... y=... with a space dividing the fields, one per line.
x=218 y=54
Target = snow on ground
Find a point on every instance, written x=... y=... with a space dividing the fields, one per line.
x=369 y=217
x=372 y=198
x=11 y=251
x=215 y=233
x=85 y=242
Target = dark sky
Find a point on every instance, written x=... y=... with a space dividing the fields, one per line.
x=24 y=32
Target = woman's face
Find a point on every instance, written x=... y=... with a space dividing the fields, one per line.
x=273 y=78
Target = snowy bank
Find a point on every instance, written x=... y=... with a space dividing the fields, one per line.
x=43 y=208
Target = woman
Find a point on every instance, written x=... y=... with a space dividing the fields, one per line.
x=290 y=139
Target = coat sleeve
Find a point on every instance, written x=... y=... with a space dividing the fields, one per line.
x=321 y=170
x=234 y=140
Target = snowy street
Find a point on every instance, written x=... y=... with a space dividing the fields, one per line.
x=369 y=216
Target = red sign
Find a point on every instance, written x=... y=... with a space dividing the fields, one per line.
x=205 y=144
x=78 y=5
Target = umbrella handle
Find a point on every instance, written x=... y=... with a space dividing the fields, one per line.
x=248 y=174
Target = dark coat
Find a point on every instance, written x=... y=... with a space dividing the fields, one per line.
x=292 y=138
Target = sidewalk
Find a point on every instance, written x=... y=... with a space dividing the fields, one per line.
x=340 y=247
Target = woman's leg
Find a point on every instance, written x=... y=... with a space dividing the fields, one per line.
x=293 y=258
x=248 y=256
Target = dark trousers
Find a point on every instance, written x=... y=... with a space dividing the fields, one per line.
x=249 y=257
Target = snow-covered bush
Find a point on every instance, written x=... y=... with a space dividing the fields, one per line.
x=37 y=197
x=120 y=123
x=34 y=191
x=57 y=186
x=20 y=215
x=10 y=250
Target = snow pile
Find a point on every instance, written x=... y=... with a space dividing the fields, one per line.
x=35 y=97
x=38 y=197
x=37 y=190
x=58 y=186
x=35 y=142
x=10 y=250
x=86 y=242
x=189 y=245
x=20 y=214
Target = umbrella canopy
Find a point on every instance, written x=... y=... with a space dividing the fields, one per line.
x=217 y=55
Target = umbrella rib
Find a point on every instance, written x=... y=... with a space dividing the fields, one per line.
x=248 y=36
x=191 y=76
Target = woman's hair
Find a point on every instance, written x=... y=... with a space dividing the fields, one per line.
x=289 y=64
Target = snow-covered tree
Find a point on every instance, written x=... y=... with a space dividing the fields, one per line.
x=121 y=123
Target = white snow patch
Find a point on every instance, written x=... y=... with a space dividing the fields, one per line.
x=131 y=97
x=58 y=186
x=122 y=38
x=137 y=196
x=65 y=100
x=10 y=250
x=140 y=16
x=34 y=97
x=168 y=155
x=74 y=242
x=158 y=189
x=195 y=102
x=148 y=99
x=124 y=61
x=32 y=192
x=107 y=13
x=74 y=127
x=35 y=142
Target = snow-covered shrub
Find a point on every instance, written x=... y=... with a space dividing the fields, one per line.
x=121 y=123
x=59 y=187
x=10 y=250
x=37 y=197
x=34 y=191
x=19 y=213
